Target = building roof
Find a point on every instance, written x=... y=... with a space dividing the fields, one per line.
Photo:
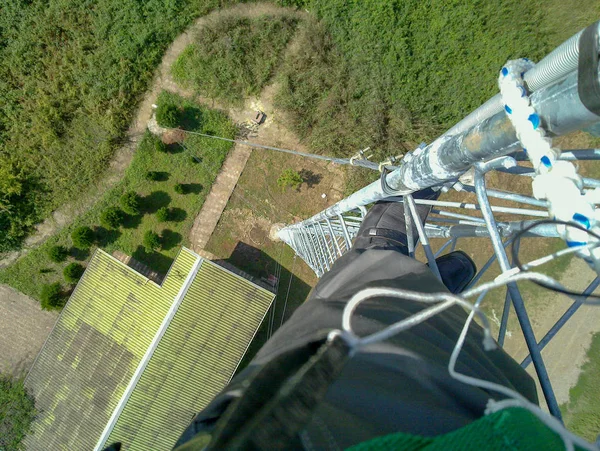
x=132 y=361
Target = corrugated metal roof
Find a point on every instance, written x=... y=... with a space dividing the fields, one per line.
x=105 y=329
x=195 y=359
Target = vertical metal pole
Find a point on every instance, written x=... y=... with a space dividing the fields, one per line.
x=334 y=237
x=534 y=350
x=423 y=237
x=331 y=257
x=316 y=243
x=346 y=234
x=409 y=228
x=506 y=310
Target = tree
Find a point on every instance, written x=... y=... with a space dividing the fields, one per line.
x=111 y=218
x=52 y=296
x=180 y=188
x=57 y=254
x=151 y=241
x=162 y=214
x=83 y=237
x=17 y=411
x=73 y=272
x=289 y=177
x=130 y=202
x=160 y=146
x=167 y=115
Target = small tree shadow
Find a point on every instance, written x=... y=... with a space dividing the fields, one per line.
x=191 y=118
x=79 y=254
x=177 y=214
x=105 y=236
x=310 y=178
x=169 y=239
x=131 y=221
x=194 y=188
x=155 y=200
x=161 y=176
x=174 y=148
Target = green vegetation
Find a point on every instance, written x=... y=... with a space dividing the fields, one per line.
x=151 y=241
x=111 y=218
x=162 y=214
x=160 y=146
x=153 y=176
x=130 y=202
x=83 y=237
x=51 y=296
x=235 y=56
x=17 y=411
x=25 y=274
x=582 y=412
x=167 y=115
x=289 y=177
x=57 y=254
x=70 y=77
x=73 y=272
x=180 y=188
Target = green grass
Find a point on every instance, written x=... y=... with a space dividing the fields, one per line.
x=234 y=57
x=35 y=269
x=582 y=412
x=71 y=75
x=17 y=411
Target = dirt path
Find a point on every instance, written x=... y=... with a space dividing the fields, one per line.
x=566 y=352
x=24 y=329
x=64 y=215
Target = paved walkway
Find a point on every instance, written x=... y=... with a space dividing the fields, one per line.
x=219 y=195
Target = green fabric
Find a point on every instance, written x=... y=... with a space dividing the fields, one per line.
x=513 y=429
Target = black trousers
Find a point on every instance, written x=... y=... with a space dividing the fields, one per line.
x=402 y=384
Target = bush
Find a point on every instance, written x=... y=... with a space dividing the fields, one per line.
x=162 y=214
x=180 y=189
x=83 y=237
x=167 y=115
x=17 y=411
x=111 y=218
x=130 y=202
x=151 y=241
x=152 y=176
x=73 y=272
x=289 y=177
x=160 y=146
x=52 y=296
x=57 y=254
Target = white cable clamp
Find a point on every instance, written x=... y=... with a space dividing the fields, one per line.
x=556 y=181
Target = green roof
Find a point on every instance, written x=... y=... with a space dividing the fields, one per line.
x=132 y=361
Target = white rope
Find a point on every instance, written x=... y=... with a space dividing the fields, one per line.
x=554 y=180
x=443 y=301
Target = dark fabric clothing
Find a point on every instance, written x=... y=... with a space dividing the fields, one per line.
x=402 y=384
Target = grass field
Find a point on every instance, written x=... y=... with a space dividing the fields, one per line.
x=582 y=413
x=175 y=166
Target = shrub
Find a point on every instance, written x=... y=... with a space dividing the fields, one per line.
x=83 y=237
x=162 y=214
x=52 y=296
x=289 y=177
x=151 y=241
x=111 y=218
x=130 y=202
x=57 y=254
x=160 y=146
x=167 y=115
x=152 y=176
x=195 y=160
x=73 y=272
x=180 y=189
x=17 y=411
